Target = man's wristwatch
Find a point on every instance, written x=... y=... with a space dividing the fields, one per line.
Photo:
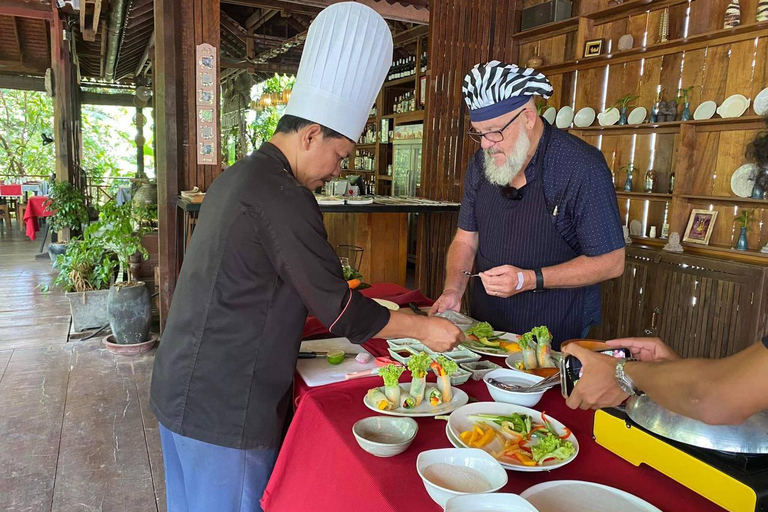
x=623 y=380
x=539 y=280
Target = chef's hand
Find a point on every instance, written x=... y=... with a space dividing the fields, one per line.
x=646 y=349
x=449 y=300
x=597 y=387
x=503 y=281
x=440 y=335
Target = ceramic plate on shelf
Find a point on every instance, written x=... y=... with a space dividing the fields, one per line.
x=742 y=181
x=564 y=117
x=733 y=106
x=636 y=228
x=761 y=103
x=584 y=117
x=329 y=200
x=637 y=116
x=609 y=117
x=550 y=114
x=705 y=111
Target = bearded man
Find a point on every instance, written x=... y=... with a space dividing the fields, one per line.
x=539 y=219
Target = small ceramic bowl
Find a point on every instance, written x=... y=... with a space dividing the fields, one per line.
x=460 y=377
x=385 y=436
x=473 y=458
x=513 y=377
x=499 y=502
x=480 y=368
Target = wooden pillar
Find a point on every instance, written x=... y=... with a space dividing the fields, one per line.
x=64 y=103
x=140 y=144
x=462 y=33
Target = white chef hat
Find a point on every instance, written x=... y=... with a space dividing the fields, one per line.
x=347 y=55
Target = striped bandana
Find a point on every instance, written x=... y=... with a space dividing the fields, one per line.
x=494 y=89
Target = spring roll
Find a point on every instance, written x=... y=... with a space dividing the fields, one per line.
x=407 y=402
x=529 y=351
x=392 y=393
x=434 y=396
x=543 y=347
x=443 y=368
x=418 y=364
x=378 y=399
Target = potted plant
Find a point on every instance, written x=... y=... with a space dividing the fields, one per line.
x=86 y=270
x=629 y=169
x=744 y=219
x=69 y=204
x=685 y=96
x=128 y=302
x=623 y=104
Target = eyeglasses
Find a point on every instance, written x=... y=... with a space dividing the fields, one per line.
x=495 y=135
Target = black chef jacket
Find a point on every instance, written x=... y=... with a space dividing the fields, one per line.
x=258 y=260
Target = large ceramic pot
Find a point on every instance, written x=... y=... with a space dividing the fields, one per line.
x=56 y=249
x=146 y=195
x=89 y=309
x=129 y=309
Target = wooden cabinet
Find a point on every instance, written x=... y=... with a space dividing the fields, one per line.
x=700 y=306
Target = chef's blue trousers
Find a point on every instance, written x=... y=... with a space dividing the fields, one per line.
x=204 y=477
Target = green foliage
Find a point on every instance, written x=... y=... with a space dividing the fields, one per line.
x=263 y=127
x=24 y=116
x=626 y=101
x=684 y=94
x=69 y=204
x=278 y=84
x=120 y=231
x=86 y=266
x=745 y=217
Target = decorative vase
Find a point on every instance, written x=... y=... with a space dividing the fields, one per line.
x=623 y=118
x=654 y=118
x=762 y=10
x=628 y=183
x=732 y=15
x=757 y=192
x=650 y=179
x=741 y=245
x=671 y=189
x=686 y=115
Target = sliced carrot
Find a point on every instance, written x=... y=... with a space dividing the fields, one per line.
x=354 y=283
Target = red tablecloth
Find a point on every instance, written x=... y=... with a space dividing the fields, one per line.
x=35 y=208
x=10 y=190
x=322 y=468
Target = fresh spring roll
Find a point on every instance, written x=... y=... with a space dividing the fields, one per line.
x=391 y=375
x=444 y=368
x=379 y=400
x=529 y=351
x=418 y=364
x=543 y=347
x=434 y=396
x=407 y=402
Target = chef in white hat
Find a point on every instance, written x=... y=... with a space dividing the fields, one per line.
x=258 y=262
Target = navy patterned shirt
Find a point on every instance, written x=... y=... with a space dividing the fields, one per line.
x=577 y=182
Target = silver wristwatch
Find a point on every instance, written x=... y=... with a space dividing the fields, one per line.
x=623 y=380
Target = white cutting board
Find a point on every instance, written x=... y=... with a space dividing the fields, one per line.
x=319 y=372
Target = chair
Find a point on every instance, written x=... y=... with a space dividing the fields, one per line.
x=21 y=208
x=5 y=215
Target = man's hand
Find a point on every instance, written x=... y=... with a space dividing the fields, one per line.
x=597 y=387
x=646 y=349
x=449 y=300
x=440 y=335
x=504 y=281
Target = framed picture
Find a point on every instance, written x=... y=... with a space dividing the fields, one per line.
x=593 y=48
x=700 y=227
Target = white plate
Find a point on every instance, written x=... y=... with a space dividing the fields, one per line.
x=761 y=103
x=584 y=117
x=424 y=409
x=330 y=202
x=609 y=117
x=564 y=117
x=637 y=116
x=577 y=496
x=550 y=114
x=518 y=356
x=741 y=180
x=636 y=228
x=495 y=502
x=733 y=106
x=705 y=111
x=388 y=304
x=356 y=201
x=477 y=348
x=459 y=422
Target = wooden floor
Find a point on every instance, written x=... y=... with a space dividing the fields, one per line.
x=76 y=431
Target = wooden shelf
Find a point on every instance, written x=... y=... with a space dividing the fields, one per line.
x=646 y=240
x=699 y=41
x=365 y=146
x=549 y=30
x=401 y=81
x=714 y=124
x=384 y=178
x=726 y=200
x=716 y=251
x=672 y=126
x=645 y=195
x=409 y=117
x=630 y=8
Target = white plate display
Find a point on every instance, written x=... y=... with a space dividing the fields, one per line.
x=705 y=111
x=330 y=201
x=609 y=117
x=550 y=114
x=387 y=304
x=360 y=200
x=564 y=117
x=742 y=182
x=424 y=409
x=733 y=106
x=637 y=116
x=478 y=348
x=636 y=228
x=584 y=117
x=578 y=496
x=459 y=422
x=761 y=103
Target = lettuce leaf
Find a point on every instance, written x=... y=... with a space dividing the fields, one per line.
x=551 y=446
x=418 y=364
x=482 y=330
x=391 y=374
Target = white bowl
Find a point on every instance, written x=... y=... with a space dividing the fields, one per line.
x=609 y=117
x=564 y=117
x=500 y=502
x=385 y=436
x=514 y=377
x=733 y=106
x=473 y=458
x=549 y=114
x=705 y=111
x=584 y=117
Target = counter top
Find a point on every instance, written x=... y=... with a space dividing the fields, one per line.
x=384 y=205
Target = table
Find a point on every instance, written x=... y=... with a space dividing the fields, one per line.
x=322 y=468
x=35 y=208
x=10 y=190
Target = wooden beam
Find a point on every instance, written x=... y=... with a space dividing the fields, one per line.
x=287 y=45
x=253 y=25
x=16 y=37
x=388 y=11
x=233 y=26
x=23 y=9
x=22 y=83
x=31 y=68
x=97 y=98
x=409 y=35
x=145 y=55
x=268 y=67
x=280 y=5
